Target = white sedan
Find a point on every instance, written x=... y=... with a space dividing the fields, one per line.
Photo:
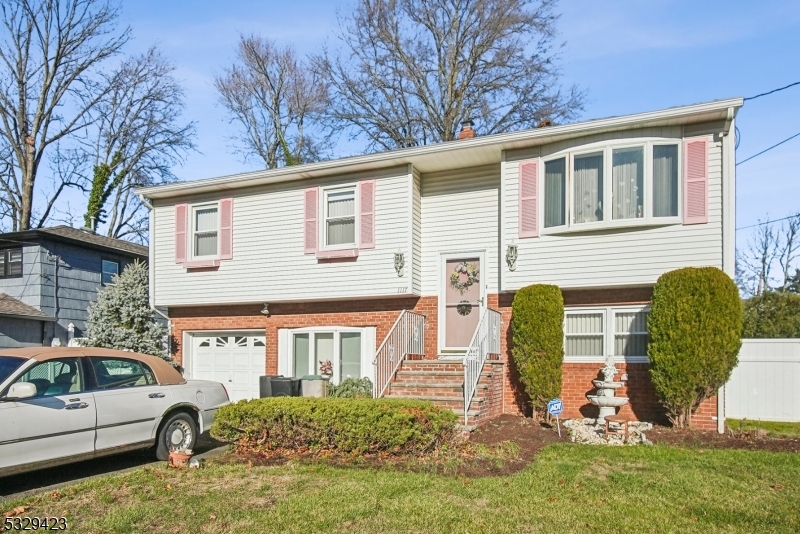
x=61 y=405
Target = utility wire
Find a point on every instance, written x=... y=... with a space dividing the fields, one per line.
x=773 y=91
x=768 y=222
x=768 y=149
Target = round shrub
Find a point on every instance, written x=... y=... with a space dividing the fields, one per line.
x=537 y=327
x=695 y=327
x=772 y=315
x=356 y=426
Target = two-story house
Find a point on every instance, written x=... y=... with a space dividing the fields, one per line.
x=402 y=266
x=48 y=277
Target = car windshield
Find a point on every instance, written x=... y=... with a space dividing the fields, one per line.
x=8 y=364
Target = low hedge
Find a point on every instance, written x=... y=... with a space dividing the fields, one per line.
x=343 y=425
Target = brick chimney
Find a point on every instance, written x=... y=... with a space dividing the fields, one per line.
x=466 y=130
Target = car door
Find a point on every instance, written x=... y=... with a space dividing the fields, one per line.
x=129 y=401
x=58 y=422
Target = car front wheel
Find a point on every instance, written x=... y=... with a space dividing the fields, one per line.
x=179 y=431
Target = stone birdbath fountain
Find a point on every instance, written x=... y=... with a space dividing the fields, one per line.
x=606 y=388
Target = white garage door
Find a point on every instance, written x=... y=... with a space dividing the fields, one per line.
x=236 y=360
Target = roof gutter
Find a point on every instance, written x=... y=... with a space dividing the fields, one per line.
x=503 y=141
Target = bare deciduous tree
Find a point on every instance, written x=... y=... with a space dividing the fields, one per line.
x=139 y=137
x=49 y=82
x=412 y=70
x=768 y=248
x=274 y=97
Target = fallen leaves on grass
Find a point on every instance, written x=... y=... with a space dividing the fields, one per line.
x=776 y=486
x=14 y=512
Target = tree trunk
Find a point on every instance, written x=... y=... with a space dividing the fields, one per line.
x=28 y=179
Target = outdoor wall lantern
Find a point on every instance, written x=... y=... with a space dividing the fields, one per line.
x=399 y=263
x=265 y=309
x=511 y=257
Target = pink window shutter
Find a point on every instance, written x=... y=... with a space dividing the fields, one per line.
x=226 y=229
x=310 y=210
x=529 y=199
x=366 y=193
x=695 y=182
x=181 y=222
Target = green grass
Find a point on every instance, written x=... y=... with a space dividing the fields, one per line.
x=773 y=428
x=567 y=488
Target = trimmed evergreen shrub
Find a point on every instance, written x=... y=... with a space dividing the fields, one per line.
x=356 y=426
x=537 y=327
x=352 y=388
x=695 y=327
x=772 y=315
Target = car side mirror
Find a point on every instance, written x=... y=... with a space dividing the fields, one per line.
x=21 y=390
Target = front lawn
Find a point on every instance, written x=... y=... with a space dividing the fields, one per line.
x=567 y=488
x=773 y=428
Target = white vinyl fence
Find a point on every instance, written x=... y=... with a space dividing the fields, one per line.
x=765 y=385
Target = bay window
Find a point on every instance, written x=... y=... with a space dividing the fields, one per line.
x=592 y=334
x=640 y=183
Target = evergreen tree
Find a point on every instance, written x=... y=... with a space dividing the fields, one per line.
x=122 y=318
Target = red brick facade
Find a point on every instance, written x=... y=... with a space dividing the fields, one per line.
x=506 y=395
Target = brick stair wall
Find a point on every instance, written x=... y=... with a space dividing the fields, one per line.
x=442 y=382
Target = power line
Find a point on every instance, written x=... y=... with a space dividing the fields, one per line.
x=768 y=222
x=768 y=149
x=773 y=91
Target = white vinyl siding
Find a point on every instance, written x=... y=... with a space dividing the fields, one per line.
x=625 y=256
x=459 y=214
x=270 y=264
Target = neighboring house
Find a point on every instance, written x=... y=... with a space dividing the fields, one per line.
x=48 y=277
x=276 y=271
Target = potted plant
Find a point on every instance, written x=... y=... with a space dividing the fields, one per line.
x=179 y=457
x=326 y=368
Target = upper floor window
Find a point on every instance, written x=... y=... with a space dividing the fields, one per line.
x=109 y=270
x=205 y=230
x=612 y=184
x=340 y=216
x=11 y=259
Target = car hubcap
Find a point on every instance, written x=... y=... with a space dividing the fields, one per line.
x=179 y=435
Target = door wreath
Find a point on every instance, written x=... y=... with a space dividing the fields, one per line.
x=471 y=273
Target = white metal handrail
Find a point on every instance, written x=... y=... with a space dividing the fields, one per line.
x=485 y=341
x=407 y=336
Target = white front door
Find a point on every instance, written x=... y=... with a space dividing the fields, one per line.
x=236 y=360
x=57 y=423
x=129 y=402
x=463 y=299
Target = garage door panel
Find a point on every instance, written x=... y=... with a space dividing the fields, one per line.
x=236 y=360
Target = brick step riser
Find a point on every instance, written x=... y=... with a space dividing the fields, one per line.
x=455 y=404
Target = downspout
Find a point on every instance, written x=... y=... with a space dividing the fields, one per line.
x=728 y=225
x=56 y=259
x=152 y=273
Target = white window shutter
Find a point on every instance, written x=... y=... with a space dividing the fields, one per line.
x=529 y=199
x=181 y=224
x=366 y=193
x=695 y=181
x=310 y=214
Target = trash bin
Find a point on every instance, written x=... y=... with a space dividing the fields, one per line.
x=285 y=387
x=265 y=385
x=314 y=386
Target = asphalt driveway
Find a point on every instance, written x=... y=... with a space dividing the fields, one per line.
x=50 y=479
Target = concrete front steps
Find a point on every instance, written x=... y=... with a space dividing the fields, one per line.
x=442 y=382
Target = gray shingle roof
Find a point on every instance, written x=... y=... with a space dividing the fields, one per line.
x=9 y=306
x=76 y=235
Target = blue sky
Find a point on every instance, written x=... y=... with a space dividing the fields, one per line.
x=629 y=56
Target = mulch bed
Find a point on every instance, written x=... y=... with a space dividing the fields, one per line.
x=731 y=440
x=529 y=436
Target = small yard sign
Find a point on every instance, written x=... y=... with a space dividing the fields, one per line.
x=555 y=407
